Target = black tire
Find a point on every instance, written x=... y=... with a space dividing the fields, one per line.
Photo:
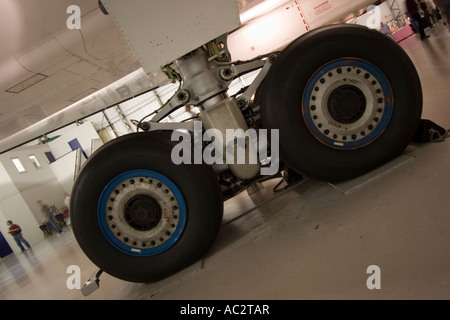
x=311 y=140
x=124 y=242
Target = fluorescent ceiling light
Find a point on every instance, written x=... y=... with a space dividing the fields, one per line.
x=18 y=165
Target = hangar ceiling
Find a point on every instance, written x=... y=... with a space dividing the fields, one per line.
x=46 y=67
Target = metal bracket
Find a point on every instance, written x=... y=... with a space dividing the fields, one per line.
x=155 y=126
x=92 y=284
x=183 y=96
x=170 y=106
x=224 y=53
x=244 y=99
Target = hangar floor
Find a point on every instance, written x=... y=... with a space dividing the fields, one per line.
x=314 y=241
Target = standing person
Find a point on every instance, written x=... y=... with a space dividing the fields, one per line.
x=66 y=199
x=16 y=232
x=426 y=13
x=47 y=217
x=384 y=28
x=444 y=6
x=413 y=23
x=66 y=212
x=413 y=9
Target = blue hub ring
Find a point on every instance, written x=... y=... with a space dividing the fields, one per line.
x=367 y=111
x=168 y=225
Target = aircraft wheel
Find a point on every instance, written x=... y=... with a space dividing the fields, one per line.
x=346 y=100
x=138 y=216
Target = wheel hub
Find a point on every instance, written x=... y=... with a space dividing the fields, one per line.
x=347 y=104
x=142 y=214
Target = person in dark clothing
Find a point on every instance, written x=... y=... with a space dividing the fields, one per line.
x=437 y=14
x=16 y=232
x=444 y=7
x=413 y=23
x=414 y=10
x=426 y=13
x=47 y=217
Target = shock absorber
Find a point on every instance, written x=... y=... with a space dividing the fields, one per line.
x=201 y=78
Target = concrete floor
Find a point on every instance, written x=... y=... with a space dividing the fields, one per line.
x=314 y=241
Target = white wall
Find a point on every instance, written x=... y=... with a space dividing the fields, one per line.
x=13 y=207
x=64 y=166
x=35 y=183
x=85 y=133
x=64 y=170
x=19 y=192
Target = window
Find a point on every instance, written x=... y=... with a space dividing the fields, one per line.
x=75 y=144
x=34 y=161
x=50 y=157
x=18 y=165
